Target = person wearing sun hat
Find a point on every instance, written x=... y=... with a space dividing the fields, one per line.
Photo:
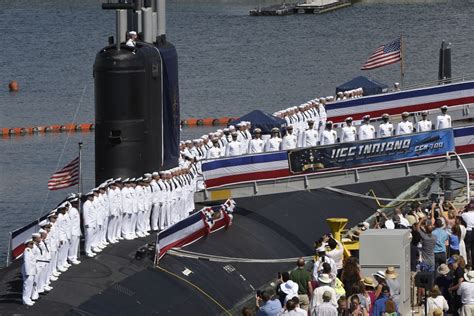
x=466 y=291
x=379 y=277
x=391 y=277
x=324 y=285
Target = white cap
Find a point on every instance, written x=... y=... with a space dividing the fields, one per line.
x=28 y=241
x=36 y=235
x=132 y=33
x=42 y=231
x=147 y=175
x=154 y=174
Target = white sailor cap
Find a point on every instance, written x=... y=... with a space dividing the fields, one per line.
x=385 y=115
x=52 y=213
x=248 y=123
x=36 y=235
x=329 y=123
x=74 y=199
x=126 y=180
x=42 y=231
x=62 y=205
x=102 y=186
x=231 y=127
x=90 y=193
x=275 y=130
x=109 y=180
x=44 y=223
x=132 y=33
x=226 y=129
x=28 y=241
x=444 y=107
x=240 y=124
x=349 y=119
x=188 y=142
x=301 y=107
x=366 y=117
x=182 y=142
x=219 y=131
x=155 y=173
x=205 y=136
x=147 y=175
x=405 y=114
x=257 y=130
x=118 y=180
x=424 y=112
x=132 y=180
x=196 y=141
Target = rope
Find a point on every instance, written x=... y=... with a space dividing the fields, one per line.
x=64 y=146
x=364 y=196
x=226 y=311
x=201 y=256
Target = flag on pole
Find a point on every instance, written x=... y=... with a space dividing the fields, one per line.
x=384 y=55
x=66 y=177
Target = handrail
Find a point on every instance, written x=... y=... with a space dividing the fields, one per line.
x=437 y=82
x=468 y=184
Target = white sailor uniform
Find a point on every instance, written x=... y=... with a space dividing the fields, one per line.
x=404 y=127
x=424 y=126
x=385 y=129
x=348 y=134
x=443 y=121
x=366 y=131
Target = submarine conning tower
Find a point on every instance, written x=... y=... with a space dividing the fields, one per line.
x=136 y=95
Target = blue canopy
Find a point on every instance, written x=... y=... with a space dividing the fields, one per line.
x=368 y=85
x=262 y=120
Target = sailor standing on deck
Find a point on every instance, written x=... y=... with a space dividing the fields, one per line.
x=424 y=125
x=289 y=141
x=64 y=225
x=310 y=136
x=90 y=223
x=75 y=220
x=127 y=209
x=44 y=277
x=233 y=148
x=132 y=39
x=54 y=241
x=242 y=137
x=257 y=144
x=322 y=115
x=385 y=128
x=366 y=130
x=273 y=143
x=140 y=191
x=102 y=216
x=329 y=136
x=39 y=264
x=404 y=127
x=157 y=201
x=133 y=220
x=443 y=120
x=215 y=151
x=349 y=132
x=148 y=202
x=28 y=271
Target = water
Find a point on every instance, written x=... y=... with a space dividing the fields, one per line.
x=230 y=63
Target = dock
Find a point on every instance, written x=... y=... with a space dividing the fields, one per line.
x=309 y=7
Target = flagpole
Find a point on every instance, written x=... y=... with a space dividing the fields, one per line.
x=402 y=59
x=79 y=185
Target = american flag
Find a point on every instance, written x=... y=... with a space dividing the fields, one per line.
x=384 y=55
x=66 y=177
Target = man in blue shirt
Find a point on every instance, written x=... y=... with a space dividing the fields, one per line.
x=379 y=306
x=267 y=304
x=440 y=247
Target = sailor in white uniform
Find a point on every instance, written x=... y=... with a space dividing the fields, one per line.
x=273 y=143
x=348 y=132
x=215 y=151
x=443 y=120
x=156 y=199
x=28 y=271
x=234 y=147
x=366 y=130
x=132 y=39
x=329 y=136
x=257 y=144
x=404 y=127
x=424 y=125
x=289 y=141
x=90 y=223
x=64 y=226
x=44 y=276
x=133 y=221
x=54 y=246
x=386 y=127
x=322 y=115
x=310 y=136
x=75 y=222
x=40 y=264
x=127 y=205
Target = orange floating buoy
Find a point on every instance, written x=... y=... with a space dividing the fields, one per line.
x=207 y=121
x=13 y=86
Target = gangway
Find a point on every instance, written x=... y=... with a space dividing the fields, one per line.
x=449 y=163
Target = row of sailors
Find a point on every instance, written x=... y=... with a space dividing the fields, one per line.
x=311 y=136
x=52 y=250
x=114 y=211
x=130 y=208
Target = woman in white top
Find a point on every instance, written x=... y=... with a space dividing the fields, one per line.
x=436 y=301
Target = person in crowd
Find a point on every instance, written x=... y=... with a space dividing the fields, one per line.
x=342 y=307
x=233 y=148
x=336 y=253
x=390 y=308
x=290 y=140
x=441 y=238
x=428 y=242
x=247 y=311
x=329 y=135
x=324 y=282
x=405 y=126
x=290 y=309
x=348 y=132
x=310 y=136
x=273 y=143
x=369 y=284
x=28 y=272
x=267 y=304
x=443 y=120
x=357 y=309
x=358 y=289
x=468 y=218
x=436 y=300
x=351 y=274
x=457 y=271
x=303 y=279
x=424 y=125
x=379 y=277
x=454 y=240
x=466 y=291
x=287 y=289
x=366 y=130
x=132 y=39
x=256 y=145
x=443 y=281
x=326 y=308
x=379 y=305
x=321 y=259
x=462 y=229
x=298 y=309
x=386 y=127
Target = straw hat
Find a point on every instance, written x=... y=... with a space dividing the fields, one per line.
x=368 y=281
x=324 y=278
x=390 y=273
x=443 y=269
x=379 y=274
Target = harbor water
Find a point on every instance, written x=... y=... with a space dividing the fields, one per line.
x=230 y=63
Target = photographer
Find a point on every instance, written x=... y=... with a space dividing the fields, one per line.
x=440 y=233
x=267 y=304
x=428 y=242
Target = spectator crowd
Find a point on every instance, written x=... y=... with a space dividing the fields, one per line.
x=442 y=244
